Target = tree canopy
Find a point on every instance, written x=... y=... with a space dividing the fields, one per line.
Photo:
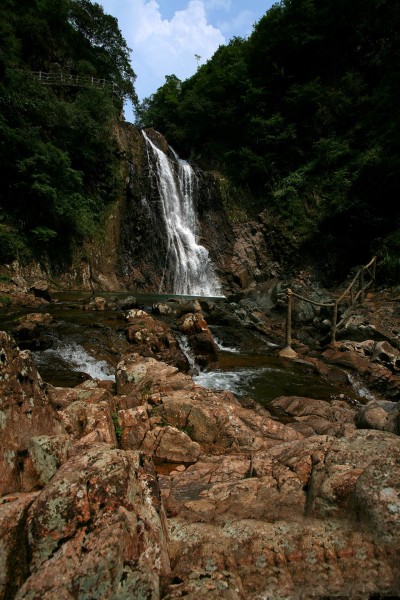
x=303 y=114
x=58 y=160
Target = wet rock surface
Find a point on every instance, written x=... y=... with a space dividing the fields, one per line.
x=153 y=338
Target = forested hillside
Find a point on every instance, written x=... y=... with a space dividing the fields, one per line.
x=303 y=120
x=300 y=123
x=58 y=160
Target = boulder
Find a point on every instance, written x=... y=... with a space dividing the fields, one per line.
x=377 y=501
x=47 y=454
x=252 y=559
x=153 y=338
x=223 y=488
x=31 y=331
x=13 y=546
x=332 y=418
x=200 y=339
x=131 y=370
x=138 y=375
x=81 y=418
x=96 y=303
x=380 y=414
x=169 y=444
x=337 y=466
x=40 y=289
x=318 y=514
x=94 y=531
x=134 y=424
x=218 y=423
x=357 y=357
x=25 y=411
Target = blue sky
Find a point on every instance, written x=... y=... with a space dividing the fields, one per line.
x=165 y=35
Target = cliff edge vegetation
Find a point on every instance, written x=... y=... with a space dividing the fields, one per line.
x=59 y=161
x=302 y=120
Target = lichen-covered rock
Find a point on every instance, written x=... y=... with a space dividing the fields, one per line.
x=154 y=338
x=134 y=424
x=94 y=532
x=47 y=454
x=215 y=420
x=13 y=542
x=377 y=500
x=218 y=422
x=319 y=514
x=380 y=414
x=136 y=374
x=338 y=465
x=96 y=303
x=308 y=558
x=60 y=397
x=31 y=329
x=131 y=370
x=221 y=488
x=331 y=418
x=82 y=417
x=169 y=444
x=360 y=358
x=25 y=412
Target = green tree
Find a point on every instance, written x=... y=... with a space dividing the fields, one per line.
x=304 y=115
x=59 y=163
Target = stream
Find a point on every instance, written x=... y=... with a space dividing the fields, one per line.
x=82 y=344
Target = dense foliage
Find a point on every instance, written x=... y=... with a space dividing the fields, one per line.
x=58 y=160
x=305 y=116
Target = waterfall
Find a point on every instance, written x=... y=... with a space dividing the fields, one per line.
x=188 y=269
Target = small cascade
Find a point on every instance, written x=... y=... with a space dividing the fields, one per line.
x=65 y=358
x=188 y=269
x=188 y=352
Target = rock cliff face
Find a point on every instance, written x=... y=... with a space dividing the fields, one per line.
x=143 y=245
x=132 y=253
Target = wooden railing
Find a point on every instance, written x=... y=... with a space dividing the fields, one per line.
x=363 y=280
x=60 y=78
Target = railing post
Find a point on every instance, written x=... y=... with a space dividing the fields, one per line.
x=287 y=351
x=334 y=322
x=361 y=284
x=373 y=273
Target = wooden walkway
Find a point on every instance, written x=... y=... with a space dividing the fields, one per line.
x=62 y=79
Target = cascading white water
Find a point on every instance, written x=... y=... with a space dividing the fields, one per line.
x=188 y=269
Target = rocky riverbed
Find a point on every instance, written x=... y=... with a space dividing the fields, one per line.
x=155 y=487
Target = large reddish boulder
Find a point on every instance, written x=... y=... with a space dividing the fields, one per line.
x=94 y=531
x=153 y=338
x=25 y=411
x=13 y=546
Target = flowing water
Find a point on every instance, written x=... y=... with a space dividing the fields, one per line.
x=188 y=269
x=265 y=377
x=81 y=344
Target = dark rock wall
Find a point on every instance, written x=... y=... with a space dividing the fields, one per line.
x=238 y=250
x=132 y=252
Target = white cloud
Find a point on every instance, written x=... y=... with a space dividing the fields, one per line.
x=163 y=47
